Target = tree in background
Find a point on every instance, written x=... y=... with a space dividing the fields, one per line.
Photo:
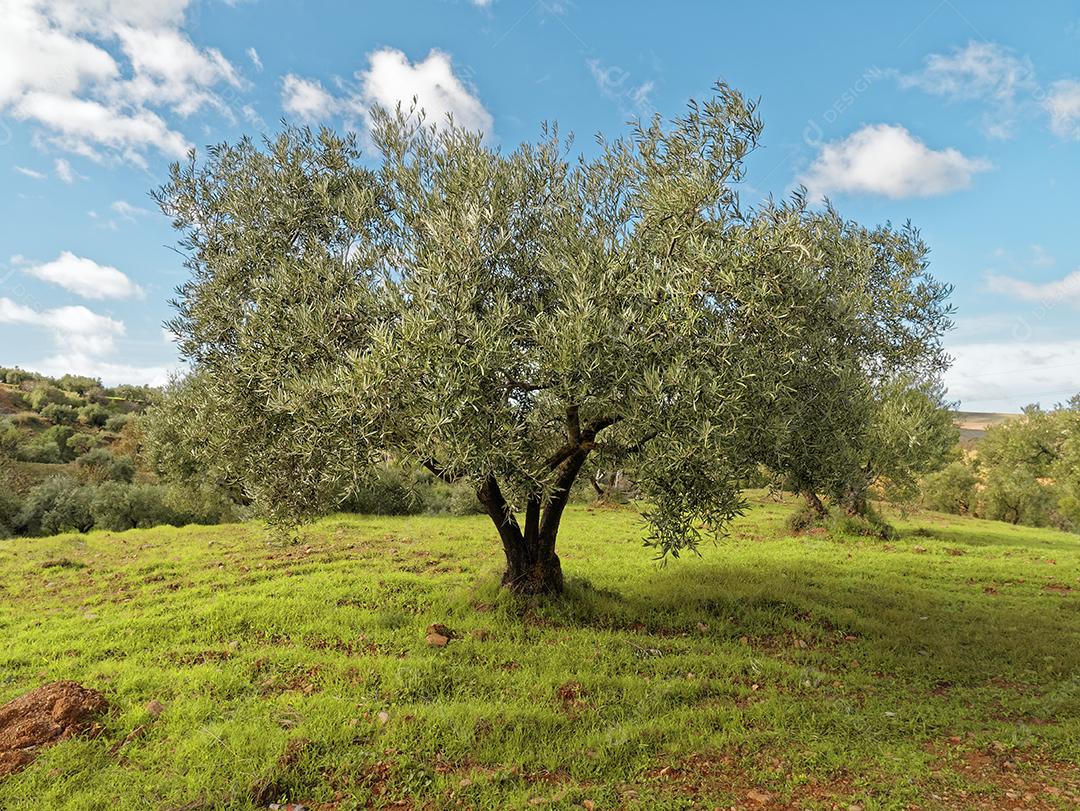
x=501 y=319
x=862 y=404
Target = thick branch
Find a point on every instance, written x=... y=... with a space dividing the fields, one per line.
x=439 y=472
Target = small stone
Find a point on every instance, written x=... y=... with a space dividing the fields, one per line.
x=155 y=708
x=702 y=627
x=437 y=640
x=383 y=717
x=759 y=797
x=588 y=805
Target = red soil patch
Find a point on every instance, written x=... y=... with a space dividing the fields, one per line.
x=51 y=713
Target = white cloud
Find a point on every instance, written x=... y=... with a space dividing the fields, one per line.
x=306 y=99
x=127 y=210
x=253 y=55
x=888 y=160
x=64 y=171
x=1062 y=102
x=36 y=175
x=1066 y=289
x=1004 y=375
x=982 y=71
x=389 y=80
x=111 y=374
x=95 y=76
x=73 y=329
x=481 y=3
x=85 y=277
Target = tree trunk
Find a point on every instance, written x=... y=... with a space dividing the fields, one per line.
x=814 y=502
x=532 y=567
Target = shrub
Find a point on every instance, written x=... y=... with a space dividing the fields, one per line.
x=201 y=505
x=10 y=438
x=47 y=453
x=94 y=415
x=78 y=383
x=16 y=376
x=28 y=419
x=869 y=524
x=116 y=422
x=99 y=465
x=59 y=504
x=951 y=490
x=390 y=492
x=80 y=443
x=9 y=511
x=43 y=394
x=58 y=434
x=60 y=413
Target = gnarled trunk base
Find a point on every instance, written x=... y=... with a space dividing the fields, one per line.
x=539 y=577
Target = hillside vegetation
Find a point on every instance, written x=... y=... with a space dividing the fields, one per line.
x=818 y=671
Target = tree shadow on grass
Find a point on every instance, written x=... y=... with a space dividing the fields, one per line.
x=924 y=624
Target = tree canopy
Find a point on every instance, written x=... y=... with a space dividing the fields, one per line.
x=500 y=318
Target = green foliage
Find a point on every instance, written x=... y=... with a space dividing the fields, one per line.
x=28 y=419
x=10 y=508
x=501 y=318
x=60 y=413
x=41 y=451
x=42 y=394
x=391 y=491
x=15 y=376
x=59 y=504
x=79 y=383
x=1023 y=471
x=94 y=415
x=100 y=465
x=117 y=422
x=79 y=443
x=10 y=438
x=952 y=489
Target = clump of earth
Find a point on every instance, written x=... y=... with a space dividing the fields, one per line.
x=52 y=713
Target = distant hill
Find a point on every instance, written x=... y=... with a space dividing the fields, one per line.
x=973 y=424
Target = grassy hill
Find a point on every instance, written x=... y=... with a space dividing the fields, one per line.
x=973 y=424
x=939 y=670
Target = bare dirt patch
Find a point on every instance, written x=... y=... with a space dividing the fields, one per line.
x=50 y=714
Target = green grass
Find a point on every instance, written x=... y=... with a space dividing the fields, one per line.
x=940 y=670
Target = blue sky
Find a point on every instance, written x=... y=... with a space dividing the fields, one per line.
x=961 y=116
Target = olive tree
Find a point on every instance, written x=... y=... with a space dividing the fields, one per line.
x=498 y=318
x=862 y=401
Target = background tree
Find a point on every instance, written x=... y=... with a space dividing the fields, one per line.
x=862 y=402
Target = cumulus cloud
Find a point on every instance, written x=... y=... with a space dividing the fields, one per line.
x=253 y=55
x=73 y=329
x=85 y=277
x=1062 y=102
x=1066 y=289
x=888 y=160
x=95 y=76
x=306 y=99
x=390 y=79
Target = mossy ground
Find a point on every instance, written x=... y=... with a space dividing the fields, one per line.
x=938 y=670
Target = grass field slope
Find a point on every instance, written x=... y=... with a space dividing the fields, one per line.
x=937 y=670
